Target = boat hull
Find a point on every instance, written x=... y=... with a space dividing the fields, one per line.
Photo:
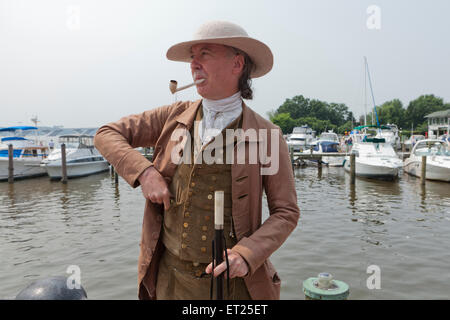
x=333 y=161
x=372 y=171
x=75 y=170
x=23 y=168
x=433 y=172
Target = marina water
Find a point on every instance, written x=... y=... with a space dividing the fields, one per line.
x=400 y=227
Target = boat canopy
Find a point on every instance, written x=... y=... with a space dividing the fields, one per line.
x=374 y=140
x=18 y=128
x=82 y=140
x=372 y=126
x=327 y=146
x=13 y=138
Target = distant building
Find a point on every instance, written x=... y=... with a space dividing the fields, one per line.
x=438 y=123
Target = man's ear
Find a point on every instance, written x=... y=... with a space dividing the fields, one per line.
x=238 y=64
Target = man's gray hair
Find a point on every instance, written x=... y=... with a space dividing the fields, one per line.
x=245 y=81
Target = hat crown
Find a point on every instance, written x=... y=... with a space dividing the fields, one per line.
x=219 y=29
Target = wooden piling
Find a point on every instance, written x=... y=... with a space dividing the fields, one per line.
x=10 y=164
x=63 y=164
x=352 y=168
x=116 y=177
x=291 y=152
x=423 y=175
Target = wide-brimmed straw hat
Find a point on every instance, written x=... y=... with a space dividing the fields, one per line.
x=230 y=34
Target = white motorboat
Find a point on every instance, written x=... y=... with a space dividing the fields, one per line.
x=438 y=160
x=329 y=136
x=409 y=144
x=375 y=158
x=324 y=146
x=389 y=132
x=301 y=138
x=27 y=154
x=82 y=158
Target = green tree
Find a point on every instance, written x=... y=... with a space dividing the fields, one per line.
x=392 y=112
x=284 y=121
x=332 y=115
x=420 y=107
x=297 y=107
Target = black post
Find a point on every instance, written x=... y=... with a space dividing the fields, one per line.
x=218 y=240
x=10 y=164
x=63 y=164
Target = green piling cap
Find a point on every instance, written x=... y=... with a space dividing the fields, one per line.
x=325 y=288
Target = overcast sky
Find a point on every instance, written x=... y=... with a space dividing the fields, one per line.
x=85 y=63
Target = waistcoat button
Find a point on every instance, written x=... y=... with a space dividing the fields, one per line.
x=185 y=224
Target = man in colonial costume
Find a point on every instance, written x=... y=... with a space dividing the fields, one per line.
x=178 y=225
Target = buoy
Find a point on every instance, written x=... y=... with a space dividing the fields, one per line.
x=54 y=288
x=325 y=288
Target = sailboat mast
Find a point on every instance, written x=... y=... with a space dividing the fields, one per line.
x=371 y=91
x=365 y=95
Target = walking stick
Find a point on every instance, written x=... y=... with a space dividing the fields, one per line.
x=218 y=246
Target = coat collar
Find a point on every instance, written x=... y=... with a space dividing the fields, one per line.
x=249 y=120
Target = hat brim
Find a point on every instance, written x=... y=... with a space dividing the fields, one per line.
x=257 y=51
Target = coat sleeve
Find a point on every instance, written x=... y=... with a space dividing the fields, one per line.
x=116 y=141
x=283 y=209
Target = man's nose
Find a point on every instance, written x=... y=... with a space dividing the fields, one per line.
x=195 y=65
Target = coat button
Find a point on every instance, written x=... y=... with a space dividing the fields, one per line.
x=204 y=238
x=183 y=245
x=185 y=224
x=184 y=235
x=187 y=214
x=203 y=249
x=195 y=264
x=210 y=196
x=205 y=228
x=207 y=218
x=192 y=184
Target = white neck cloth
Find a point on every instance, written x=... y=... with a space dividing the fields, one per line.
x=217 y=115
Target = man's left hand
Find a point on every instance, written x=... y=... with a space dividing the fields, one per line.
x=238 y=266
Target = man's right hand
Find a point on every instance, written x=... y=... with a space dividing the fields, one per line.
x=154 y=187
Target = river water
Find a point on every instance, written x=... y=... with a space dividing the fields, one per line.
x=400 y=227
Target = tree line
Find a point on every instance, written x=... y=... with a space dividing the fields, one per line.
x=322 y=116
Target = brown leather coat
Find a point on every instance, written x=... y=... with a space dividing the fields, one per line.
x=256 y=241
